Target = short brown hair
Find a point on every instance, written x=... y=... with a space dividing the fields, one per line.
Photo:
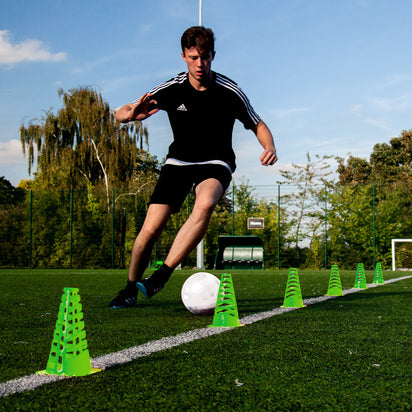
x=199 y=37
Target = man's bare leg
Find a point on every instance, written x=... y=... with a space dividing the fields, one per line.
x=155 y=221
x=208 y=194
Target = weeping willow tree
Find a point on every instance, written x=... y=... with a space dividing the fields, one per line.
x=83 y=145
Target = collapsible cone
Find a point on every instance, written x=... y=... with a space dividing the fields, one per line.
x=69 y=355
x=226 y=314
x=360 y=279
x=378 y=276
x=293 y=295
x=335 y=285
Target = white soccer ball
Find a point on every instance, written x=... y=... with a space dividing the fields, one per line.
x=199 y=293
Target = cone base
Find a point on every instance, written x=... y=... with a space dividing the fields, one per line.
x=334 y=292
x=93 y=370
x=225 y=321
x=225 y=326
x=294 y=306
x=293 y=302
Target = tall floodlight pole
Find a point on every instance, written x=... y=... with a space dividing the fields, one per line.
x=200 y=12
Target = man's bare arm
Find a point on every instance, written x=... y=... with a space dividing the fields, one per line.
x=141 y=110
x=264 y=135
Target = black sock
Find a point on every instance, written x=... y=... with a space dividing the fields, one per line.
x=164 y=272
x=131 y=288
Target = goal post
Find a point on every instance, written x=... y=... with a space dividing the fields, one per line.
x=401 y=254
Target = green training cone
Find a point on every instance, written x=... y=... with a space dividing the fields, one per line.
x=378 y=276
x=335 y=285
x=69 y=355
x=293 y=294
x=226 y=314
x=360 y=279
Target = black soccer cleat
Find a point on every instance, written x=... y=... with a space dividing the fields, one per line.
x=150 y=286
x=155 y=282
x=123 y=300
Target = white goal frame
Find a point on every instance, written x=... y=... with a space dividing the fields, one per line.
x=393 y=251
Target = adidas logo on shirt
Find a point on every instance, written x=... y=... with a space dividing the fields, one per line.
x=182 y=108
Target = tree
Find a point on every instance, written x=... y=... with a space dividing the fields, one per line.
x=350 y=225
x=12 y=230
x=247 y=205
x=304 y=206
x=392 y=162
x=383 y=186
x=388 y=163
x=357 y=170
x=83 y=144
x=8 y=193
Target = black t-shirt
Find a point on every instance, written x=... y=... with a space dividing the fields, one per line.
x=202 y=121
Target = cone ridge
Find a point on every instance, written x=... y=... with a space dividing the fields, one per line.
x=293 y=294
x=335 y=285
x=378 y=276
x=69 y=354
x=226 y=313
x=360 y=279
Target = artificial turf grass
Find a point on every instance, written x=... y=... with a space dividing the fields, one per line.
x=28 y=312
x=347 y=353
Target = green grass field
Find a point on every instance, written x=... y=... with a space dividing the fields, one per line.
x=351 y=353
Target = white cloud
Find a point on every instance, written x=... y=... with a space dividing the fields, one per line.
x=11 y=153
x=387 y=104
x=282 y=113
x=396 y=79
x=356 y=109
x=30 y=50
x=377 y=111
x=381 y=124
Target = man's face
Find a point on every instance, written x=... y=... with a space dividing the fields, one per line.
x=199 y=63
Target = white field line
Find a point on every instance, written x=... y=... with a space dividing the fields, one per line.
x=33 y=381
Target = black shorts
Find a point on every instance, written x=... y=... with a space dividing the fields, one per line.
x=175 y=182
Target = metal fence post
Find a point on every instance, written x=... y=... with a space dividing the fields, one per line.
x=279 y=226
x=374 y=225
x=187 y=217
x=326 y=227
x=124 y=230
x=233 y=208
x=113 y=202
x=71 y=226
x=30 y=226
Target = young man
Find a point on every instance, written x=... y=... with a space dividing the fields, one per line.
x=202 y=107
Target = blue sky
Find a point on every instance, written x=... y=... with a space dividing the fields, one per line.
x=327 y=76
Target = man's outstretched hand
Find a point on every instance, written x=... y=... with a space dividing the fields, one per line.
x=141 y=110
